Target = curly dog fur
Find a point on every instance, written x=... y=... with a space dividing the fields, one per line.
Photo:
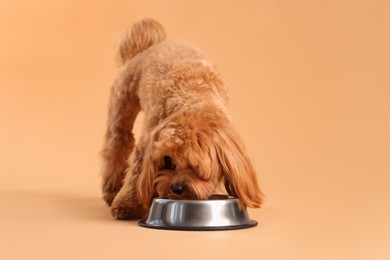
x=188 y=149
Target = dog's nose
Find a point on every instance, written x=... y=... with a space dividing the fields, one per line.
x=177 y=188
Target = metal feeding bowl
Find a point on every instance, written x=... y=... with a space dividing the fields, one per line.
x=219 y=212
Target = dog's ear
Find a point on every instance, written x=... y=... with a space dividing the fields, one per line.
x=160 y=140
x=239 y=173
x=146 y=177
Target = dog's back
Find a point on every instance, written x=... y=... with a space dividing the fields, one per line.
x=171 y=74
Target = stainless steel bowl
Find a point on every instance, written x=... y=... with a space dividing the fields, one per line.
x=220 y=212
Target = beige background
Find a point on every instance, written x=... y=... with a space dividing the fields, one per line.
x=310 y=95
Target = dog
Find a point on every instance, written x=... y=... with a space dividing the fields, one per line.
x=188 y=148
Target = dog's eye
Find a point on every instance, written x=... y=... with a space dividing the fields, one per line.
x=168 y=163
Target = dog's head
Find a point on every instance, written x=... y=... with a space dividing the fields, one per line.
x=192 y=156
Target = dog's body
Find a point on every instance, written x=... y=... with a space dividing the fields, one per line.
x=188 y=149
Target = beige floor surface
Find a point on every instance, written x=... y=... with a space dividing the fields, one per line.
x=310 y=95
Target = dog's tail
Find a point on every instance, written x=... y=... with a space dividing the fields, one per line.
x=138 y=38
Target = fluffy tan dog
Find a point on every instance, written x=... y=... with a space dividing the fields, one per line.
x=189 y=149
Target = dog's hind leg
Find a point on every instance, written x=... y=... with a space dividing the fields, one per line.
x=119 y=140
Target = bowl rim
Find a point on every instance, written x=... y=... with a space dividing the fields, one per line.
x=218 y=197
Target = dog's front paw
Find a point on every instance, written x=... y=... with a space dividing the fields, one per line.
x=123 y=212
